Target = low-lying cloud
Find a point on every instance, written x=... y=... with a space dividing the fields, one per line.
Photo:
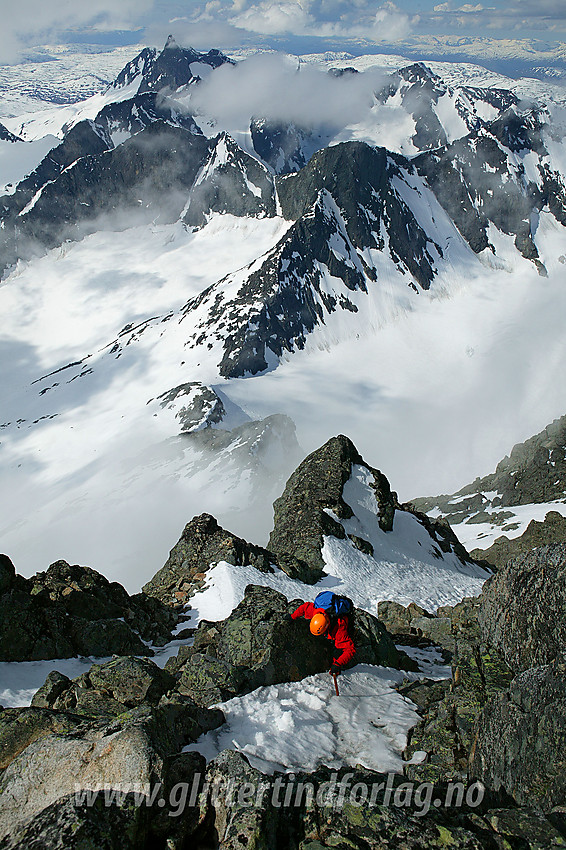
x=276 y=88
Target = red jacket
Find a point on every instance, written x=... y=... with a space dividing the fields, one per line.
x=337 y=632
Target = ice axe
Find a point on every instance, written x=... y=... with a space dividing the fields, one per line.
x=335 y=677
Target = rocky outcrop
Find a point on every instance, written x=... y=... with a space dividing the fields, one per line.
x=107 y=689
x=313 y=506
x=301 y=514
x=73 y=610
x=444 y=737
x=523 y=608
x=258 y=645
x=352 y=807
x=551 y=530
x=134 y=751
x=195 y=405
x=520 y=741
x=202 y=544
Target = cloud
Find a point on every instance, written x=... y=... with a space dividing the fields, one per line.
x=271 y=86
x=322 y=18
x=510 y=17
x=31 y=22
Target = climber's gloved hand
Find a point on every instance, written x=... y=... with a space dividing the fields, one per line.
x=335 y=669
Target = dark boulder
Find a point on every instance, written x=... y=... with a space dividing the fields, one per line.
x=106 y=689
x=7 y=573
x=523 y=608
x=520 y=743
x=71 y=610
x=202 y=543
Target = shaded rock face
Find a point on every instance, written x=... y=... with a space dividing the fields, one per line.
x=359 y=179
x=477 y=180
x=450 y=709
x=523 y=608
x=551 y=530
x=284 y=147
x=301 y=517
x=348 y=199
x=258 y=645
x=521 y=738
x=72 y=610
x=202 y=543
x=7 y=573
x=321 y=813
x=230 y=181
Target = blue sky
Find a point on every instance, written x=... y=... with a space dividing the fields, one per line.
x=226 y=23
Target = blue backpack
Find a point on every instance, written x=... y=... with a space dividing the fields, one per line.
x=334 y=605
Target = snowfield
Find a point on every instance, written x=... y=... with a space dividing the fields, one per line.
x=303 y=725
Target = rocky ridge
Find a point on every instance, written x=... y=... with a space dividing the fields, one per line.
x=533 y=473
x=72 y=610
x=124 y=722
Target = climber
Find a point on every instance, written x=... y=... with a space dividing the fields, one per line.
x=324 y=621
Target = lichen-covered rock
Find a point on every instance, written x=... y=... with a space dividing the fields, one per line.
x=106 y=689
x=65 y=826
x=451 y=709
x=202 y=543
x=352 y=808
x=73 y=610
x=374 y=645
x=235 y=822
x=136 y=750
x=20 y=727
x=398 y=619
x=520 y=743
x=301 y=517
x=52 y=688
x=523 y=608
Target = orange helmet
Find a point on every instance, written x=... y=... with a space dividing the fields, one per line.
x=319 y=623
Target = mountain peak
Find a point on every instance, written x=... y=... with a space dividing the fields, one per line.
x=171 y=44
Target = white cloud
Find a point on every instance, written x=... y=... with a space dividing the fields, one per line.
x=30 y=22
x=270 y=86
x=326 y=18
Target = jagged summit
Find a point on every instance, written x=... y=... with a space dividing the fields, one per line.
x=169 y=69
